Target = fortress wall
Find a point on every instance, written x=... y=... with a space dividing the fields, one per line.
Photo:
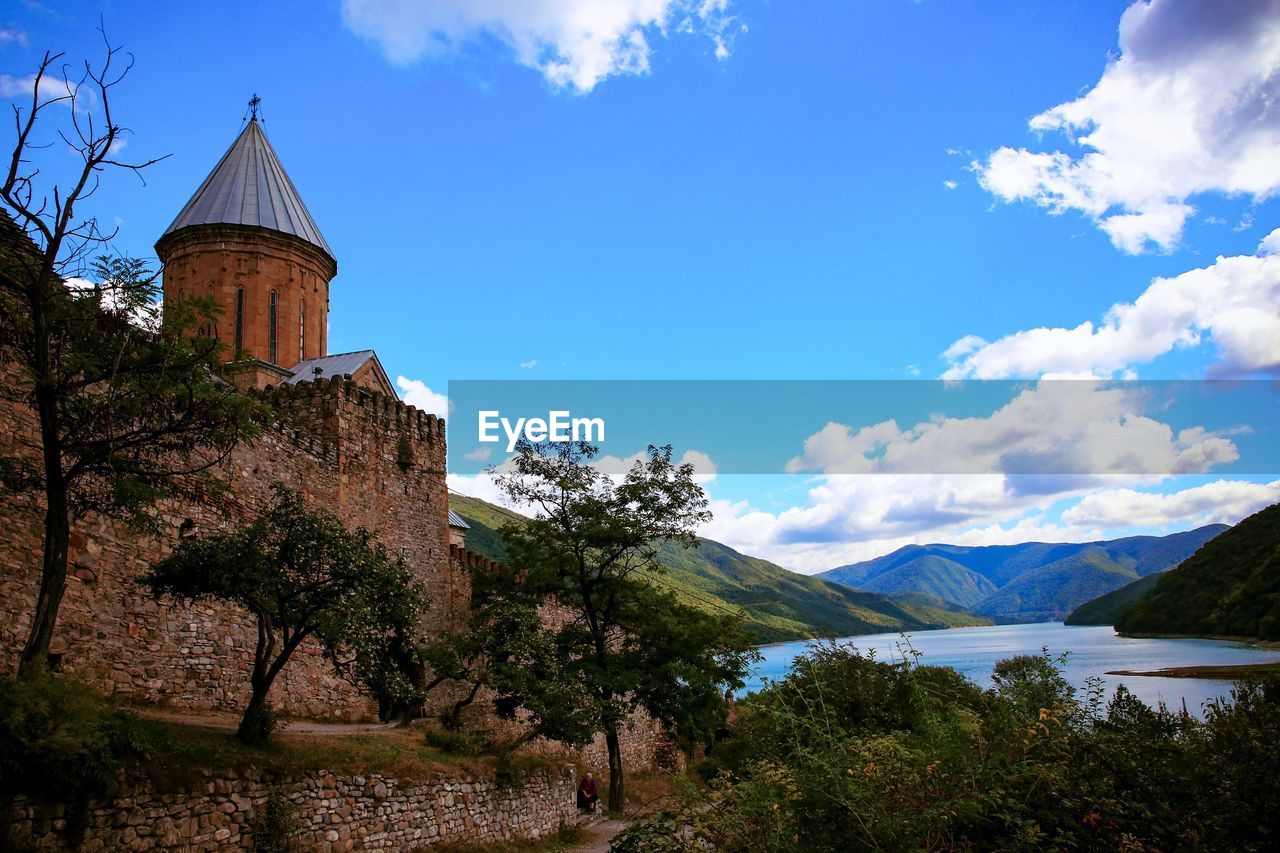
x=376 y=462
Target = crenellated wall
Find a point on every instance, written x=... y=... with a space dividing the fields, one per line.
x=375 y=462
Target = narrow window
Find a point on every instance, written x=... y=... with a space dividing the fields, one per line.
x=239 y=320
x=302 y=331
x=271 y=329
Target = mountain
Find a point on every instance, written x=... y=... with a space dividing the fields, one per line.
x=1229 y=588
x=1030 y=582
x=781 y=605
x=1106 y=609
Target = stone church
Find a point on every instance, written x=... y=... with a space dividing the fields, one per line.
x=344 y=439
x=246 y=240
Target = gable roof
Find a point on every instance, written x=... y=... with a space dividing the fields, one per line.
x=340 y=364
x=456 y=520
x=250 y=187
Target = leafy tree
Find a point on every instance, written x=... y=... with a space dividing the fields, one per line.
x=302 y=574
x=625 y=642
x=126 y=404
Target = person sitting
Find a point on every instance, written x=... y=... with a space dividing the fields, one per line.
x=587 y=796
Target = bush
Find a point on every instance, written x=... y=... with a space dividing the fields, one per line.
x=849 y=753
x=59 y=739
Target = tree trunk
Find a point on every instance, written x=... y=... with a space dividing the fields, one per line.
x=250 y=730
x=615 y=765
x=57 y=532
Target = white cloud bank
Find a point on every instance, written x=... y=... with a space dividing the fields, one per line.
x=574 y=44
x=1191 y=105
x=1071 y=430
x=417 y=394
x=1235 y=302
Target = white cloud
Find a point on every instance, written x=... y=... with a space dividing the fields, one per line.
x=11 y=35
x=529 y=365
x=480 y=454
x=13 y=87
x=846 y=519
x=1190 y=105
x=704 y=469
x=950 y=184
x=575 y=44
x=1077 y=430
x=1235 y=302
x=1222 y=501
x=417 y=394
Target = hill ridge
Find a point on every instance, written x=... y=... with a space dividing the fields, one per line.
x=781 y=605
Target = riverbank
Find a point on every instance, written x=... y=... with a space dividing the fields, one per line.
x=1221 y=672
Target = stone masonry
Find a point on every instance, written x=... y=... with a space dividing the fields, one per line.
x=329 y=812
x=374 y=461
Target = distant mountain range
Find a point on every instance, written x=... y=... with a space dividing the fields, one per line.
x=780 y=604
x=1031 y=582
x=1229 y=588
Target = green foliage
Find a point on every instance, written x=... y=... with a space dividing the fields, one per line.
x=851 y=753
x=59 y=740
x=303 y=575
x=275 y=825
x=1033 y=581
x=623 y=642
x=780 y=604
x=1230 y=587
x=1107 y=609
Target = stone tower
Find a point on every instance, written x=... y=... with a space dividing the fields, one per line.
x=246 y=240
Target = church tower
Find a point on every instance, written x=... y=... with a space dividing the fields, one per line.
x=246 y=240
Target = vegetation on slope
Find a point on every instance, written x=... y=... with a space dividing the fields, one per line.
x=1107 y=609
x=1029 y=582
x=1230 y=587
x=851 y=753
x=780 y=605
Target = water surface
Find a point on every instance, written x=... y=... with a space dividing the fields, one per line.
x=1093 y=651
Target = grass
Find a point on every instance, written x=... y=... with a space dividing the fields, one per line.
x=181 y=751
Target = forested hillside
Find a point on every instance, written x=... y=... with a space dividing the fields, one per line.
x=780 y=604
x=1230 y=588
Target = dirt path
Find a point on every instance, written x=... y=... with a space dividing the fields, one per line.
x=600 y=835
x=229 y=722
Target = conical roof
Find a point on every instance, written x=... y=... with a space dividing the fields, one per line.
x=250 y=187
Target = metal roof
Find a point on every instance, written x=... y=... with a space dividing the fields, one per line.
x=456 y=520
x=319 y=369
x=250 y=187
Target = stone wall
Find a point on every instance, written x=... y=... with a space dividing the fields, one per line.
x=331 y=812
x=374 y=461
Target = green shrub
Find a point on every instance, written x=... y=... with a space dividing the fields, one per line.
x=59 y=739
x=850 y=753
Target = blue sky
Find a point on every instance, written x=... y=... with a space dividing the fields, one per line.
x=654 y=189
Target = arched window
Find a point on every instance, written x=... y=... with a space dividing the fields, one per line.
x=302 y=331
x=239 y=320
x=271 y=328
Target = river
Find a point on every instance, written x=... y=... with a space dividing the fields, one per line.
x=1093 y=651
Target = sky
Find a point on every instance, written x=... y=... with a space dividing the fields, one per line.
x=740 y=189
